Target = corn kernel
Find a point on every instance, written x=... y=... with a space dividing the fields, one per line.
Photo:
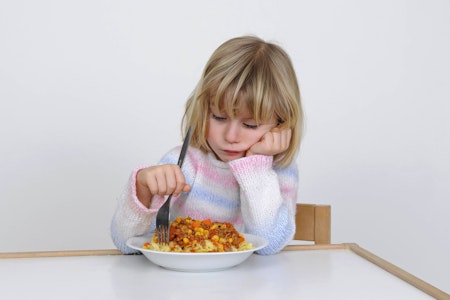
x=186 y=240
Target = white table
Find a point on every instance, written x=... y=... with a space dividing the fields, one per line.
x=344 y=271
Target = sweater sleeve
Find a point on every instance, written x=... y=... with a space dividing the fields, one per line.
x=131 y=218
x=268 y=197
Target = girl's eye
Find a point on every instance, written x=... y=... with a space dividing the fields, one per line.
x=224 y=118
x=250 y=126
x=218 y=118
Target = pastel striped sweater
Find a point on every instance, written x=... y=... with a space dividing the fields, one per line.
x=257 y=197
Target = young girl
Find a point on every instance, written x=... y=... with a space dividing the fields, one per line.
x=246 y=120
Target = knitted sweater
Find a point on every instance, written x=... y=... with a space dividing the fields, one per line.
x=253 y=194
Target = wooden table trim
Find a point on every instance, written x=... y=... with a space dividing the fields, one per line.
x=61 y=253
x=315 y=247
x=355 y=248
x=396 y=271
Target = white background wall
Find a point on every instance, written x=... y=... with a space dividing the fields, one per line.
x=91 y=89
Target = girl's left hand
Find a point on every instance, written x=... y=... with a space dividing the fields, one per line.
x=273 y=142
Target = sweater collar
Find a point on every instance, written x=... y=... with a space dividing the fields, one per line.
x=217 y=163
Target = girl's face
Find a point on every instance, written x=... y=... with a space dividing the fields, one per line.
x=230 y=138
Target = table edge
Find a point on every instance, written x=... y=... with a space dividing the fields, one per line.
x=397 y=271
x=355 y=248
x=60 y=253
x=63 y=253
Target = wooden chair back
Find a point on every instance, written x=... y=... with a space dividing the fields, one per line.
x=313 y=223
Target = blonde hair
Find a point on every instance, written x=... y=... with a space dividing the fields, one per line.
x=247 y=71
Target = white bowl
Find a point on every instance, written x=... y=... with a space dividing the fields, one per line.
x=197 y=262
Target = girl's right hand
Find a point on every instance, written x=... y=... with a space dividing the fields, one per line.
x=160 y=180
x=273 y=142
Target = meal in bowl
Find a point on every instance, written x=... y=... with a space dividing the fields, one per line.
x=190 y=235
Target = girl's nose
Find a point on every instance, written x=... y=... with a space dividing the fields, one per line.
x=232 y=134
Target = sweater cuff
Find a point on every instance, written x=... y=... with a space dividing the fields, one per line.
x=251 y=164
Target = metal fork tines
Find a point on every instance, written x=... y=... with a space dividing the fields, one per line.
x=162 y=223
x=162 y=218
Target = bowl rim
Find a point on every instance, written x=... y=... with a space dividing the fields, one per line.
x=251 y=238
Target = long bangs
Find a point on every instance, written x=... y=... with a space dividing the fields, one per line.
x=251 y=87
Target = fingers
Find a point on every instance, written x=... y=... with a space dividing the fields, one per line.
x=164 y=180
x=281 y=139
x=277 y=140
x=273 y=142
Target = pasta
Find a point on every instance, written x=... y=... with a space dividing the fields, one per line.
x=189 y=235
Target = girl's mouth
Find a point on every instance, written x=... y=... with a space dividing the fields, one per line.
x=232 y=153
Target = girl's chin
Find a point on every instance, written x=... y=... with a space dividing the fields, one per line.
x=227 y=157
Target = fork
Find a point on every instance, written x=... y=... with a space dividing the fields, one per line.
x=162 y=218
